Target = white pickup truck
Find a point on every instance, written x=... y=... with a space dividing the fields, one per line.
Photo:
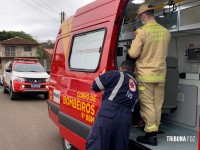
x=23 y=75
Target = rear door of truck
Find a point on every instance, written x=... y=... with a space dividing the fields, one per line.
x=92 y=50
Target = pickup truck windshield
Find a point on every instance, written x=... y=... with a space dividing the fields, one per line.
x=28 y=68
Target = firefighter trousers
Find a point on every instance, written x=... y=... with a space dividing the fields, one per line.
x=151 y=101
x=111 y=128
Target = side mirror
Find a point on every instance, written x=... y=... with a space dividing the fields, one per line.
x=8 y=70
x=48 y=71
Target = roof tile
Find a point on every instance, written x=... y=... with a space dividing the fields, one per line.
x=18 y=41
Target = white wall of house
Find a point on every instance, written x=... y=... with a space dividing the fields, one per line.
x=19 y=51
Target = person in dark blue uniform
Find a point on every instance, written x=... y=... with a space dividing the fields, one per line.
x=112 y=124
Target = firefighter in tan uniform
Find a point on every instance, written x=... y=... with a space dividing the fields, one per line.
x=150 y=48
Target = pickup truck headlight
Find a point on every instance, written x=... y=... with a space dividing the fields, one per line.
x=19 y=79
x=47 y=80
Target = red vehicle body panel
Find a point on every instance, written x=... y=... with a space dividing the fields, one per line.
x=72 y=138
x=54 y=117
x=72 y=103
x=76 y=99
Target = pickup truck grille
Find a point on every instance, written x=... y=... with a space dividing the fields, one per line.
x=35 y=80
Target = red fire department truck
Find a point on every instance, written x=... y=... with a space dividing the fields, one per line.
x=97 y=39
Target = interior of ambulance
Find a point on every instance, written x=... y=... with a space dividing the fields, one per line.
x=182 y=92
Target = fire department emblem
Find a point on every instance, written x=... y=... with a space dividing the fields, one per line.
x=132 y=85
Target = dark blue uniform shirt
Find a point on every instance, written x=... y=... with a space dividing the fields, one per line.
x=120 y=87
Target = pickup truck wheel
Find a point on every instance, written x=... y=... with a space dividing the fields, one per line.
x=13 y=95
x=4 y=89
x=46 y=95
x=67 y=145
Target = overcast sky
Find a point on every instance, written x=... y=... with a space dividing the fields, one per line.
x=39 y=18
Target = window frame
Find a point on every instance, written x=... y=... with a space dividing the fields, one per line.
x=11 y=51
x=72 y=43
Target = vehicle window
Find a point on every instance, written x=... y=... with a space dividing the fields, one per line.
x=169 y=21
x=28 y=68
x=86 y=50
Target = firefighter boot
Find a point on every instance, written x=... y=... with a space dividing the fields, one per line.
x=149 y=138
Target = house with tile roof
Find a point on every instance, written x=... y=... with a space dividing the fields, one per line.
x=48 y=52
x=16 y=47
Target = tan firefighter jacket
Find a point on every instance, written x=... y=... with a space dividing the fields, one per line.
x=150 y=48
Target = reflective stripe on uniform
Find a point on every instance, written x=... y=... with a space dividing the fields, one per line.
x=99 y=84
x=117 y=87
x=141 y=88
x=150 y=25
x=151 y=128
x=151 y=78
x=157 y=31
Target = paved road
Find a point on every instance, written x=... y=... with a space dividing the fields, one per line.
x=25 y=124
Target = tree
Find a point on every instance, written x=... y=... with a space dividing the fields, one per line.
x=4 y=35
x=48 y=44
x=40 y=49
x=40 y=53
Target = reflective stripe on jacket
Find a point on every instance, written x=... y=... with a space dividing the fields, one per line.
x=119 y=87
